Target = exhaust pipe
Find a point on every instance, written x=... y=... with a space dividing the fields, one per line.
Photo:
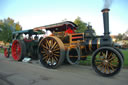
x=106 y=21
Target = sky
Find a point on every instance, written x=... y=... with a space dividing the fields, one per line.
x=35 y=13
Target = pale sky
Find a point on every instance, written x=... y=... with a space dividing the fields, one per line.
x=35 y=13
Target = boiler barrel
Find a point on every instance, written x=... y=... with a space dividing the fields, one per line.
x=93 y=44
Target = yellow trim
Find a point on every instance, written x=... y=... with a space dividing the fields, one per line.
x=98 y=42
x=90 y=45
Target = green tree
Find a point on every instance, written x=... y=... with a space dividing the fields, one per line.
x=6 y=34
x=1 y=26
x=82 y=26
x=120 y=36
x=13 y=26
x=18 y=27
x=7 y=26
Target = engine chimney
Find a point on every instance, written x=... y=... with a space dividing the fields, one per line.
x=106 y=21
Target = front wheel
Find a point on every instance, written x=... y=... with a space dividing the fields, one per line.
x=107 y=61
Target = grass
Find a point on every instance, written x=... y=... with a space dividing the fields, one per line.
x=125 y=53
x=1 y=50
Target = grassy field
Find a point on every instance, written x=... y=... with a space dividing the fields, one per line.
x=125 y=52
x=1 y=50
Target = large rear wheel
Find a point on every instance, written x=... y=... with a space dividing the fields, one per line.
x=107 y=61
x=18 y=50
x=51 y=52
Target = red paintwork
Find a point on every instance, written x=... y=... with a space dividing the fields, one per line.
x=69 y=31
x=6 y=52
x=26 y=40
x=16 y=50
x=76 y=37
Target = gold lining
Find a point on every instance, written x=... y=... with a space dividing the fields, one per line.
x=90 y=45
x=98 y=42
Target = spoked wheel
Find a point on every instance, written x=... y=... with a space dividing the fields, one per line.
x=51 y=52
x=73 y=55
x=107 y=61
x=6 y=52
x=18 y=50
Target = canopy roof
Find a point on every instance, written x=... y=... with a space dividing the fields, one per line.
x=58 y=27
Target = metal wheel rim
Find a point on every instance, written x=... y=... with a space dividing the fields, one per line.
x=107 y=63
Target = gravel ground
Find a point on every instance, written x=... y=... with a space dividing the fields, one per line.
x=21 y=73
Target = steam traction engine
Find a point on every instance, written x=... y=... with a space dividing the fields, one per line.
x=106 y=59
x=53 y=50
x=25 y=46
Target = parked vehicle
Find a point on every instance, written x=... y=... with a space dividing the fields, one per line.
x=64 y=43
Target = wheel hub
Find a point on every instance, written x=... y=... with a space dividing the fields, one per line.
x=49 y=52
x=105 y=62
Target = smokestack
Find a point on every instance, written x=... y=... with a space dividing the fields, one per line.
x=106 y=21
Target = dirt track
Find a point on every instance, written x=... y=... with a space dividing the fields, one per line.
x=20 y=73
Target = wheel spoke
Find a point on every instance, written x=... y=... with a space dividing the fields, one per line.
x=44 y=46
x=103 y=54
x=45 y=57
x=99 y=58
x=105 y=67
x=42 y=52
x=53 y=45
x=56 y=55
x=56 y=49
x=47 y=41
x=113 y=57
x=56 y=52
x=115 y=61
x=108 y=68
x=102 y=66
x=56 y=46
x=111 y=67
x=98 y=62
x=50 y=44
x=110 y=55
x=46 y=51
x=99 y=65
x=56 y=59
x=106 y=54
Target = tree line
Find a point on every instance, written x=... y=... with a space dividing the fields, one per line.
x=123 y=36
